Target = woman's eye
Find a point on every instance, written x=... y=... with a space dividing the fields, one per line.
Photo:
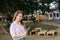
x=20 y=16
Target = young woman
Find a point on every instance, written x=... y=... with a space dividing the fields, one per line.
x=17 y=28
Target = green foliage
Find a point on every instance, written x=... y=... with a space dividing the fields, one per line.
x=24 y=5
x=6 y=24
x=13 y=5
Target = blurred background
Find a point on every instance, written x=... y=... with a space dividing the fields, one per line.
x=41 y=10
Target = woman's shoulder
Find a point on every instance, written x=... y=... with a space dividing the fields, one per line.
x=13 y=24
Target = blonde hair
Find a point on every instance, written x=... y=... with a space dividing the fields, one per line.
x=16 y=14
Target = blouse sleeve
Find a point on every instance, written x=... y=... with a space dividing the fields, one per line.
x=12 y=30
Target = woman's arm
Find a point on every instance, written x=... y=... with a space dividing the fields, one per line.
x=17 y=36
x=12 y=30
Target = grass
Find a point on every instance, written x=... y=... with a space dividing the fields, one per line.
x=5 y=37
x=47 y=27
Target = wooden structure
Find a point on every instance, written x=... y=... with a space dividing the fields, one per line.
x=42 y=32
x=38 y=29
x=53 y=16
x=37 y=19
x=52 y=32
x=42 y=17
x=48 y=16
x=33 y=31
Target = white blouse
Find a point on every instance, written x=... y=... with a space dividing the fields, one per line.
x=16 y=29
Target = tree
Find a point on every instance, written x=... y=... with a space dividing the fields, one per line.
x=13 y=5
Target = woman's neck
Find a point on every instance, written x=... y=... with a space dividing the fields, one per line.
x=17 y=21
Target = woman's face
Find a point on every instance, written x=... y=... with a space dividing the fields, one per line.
x=19 y=17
